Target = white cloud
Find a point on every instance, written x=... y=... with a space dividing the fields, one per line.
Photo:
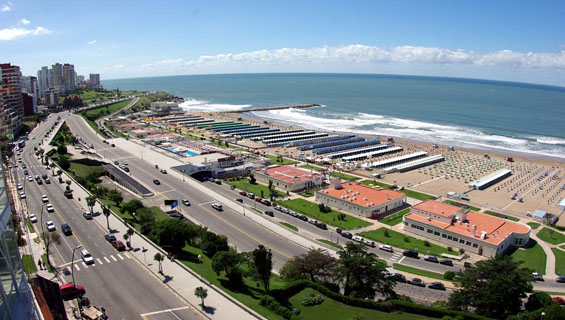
x=24 y=21
x=14 y=33
x=91 y=42
x=6 y=8
x=361 y=55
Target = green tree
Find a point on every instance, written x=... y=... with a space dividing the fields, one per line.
x=271 y=190
x=493 y=288
x=228 y=262
x=147 y=222
x=252 y=179
x=201 y=293
x=262 y=265
x=106 y=213
x=537 y=300
x=212 y=243
x=174 y=234
x=130 y=234
x=131 y=206
x=361 y=273
x=159 y=258
x=90 y=202
x=62 y=149
x=64 y=162
x=115 y=196
x=313 y=265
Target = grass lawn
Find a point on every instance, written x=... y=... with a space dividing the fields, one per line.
x=344 y=176
x=562 y=247
x=145 y=101
x=101 y=112
x=312 y=210
x=395 y=218
x=458 y=204
x=290 y=226
x=93 y=125
x=417 y=195
x=246 y=186
x=278 y=160
x=311 y=167
x=307 y=193
x=534 y=225
x=30 y=226
x=551 y=236
x=334 y=310
x=83 y=170
x=328 y=242
x=419 y=272
x=376 y=183
x=397 y=239
x=559 y=261
x=28 y=264
x=503 y=216
x=534 y=258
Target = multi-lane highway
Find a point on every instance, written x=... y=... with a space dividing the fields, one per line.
x=116 y=280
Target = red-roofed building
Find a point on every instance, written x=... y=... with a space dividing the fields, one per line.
x=289 y=178
x=459 y=227
x=360 y=199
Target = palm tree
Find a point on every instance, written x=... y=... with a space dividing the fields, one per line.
x=106 y=212
x=159 y=258
x=130 y=234
x=90 y=202
x=201 y=293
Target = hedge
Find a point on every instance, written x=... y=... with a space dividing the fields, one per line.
x=386 y=306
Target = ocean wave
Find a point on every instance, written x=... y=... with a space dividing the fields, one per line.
x=371 y=124
x=202 y=105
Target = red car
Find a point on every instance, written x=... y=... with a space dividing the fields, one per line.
x=70 y=291
x=258 y=199
x=243 y=193
x=266 y=202
x=559 y=300
x=119 y=245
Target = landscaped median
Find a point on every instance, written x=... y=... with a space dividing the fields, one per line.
x=534 y=257
x=395 y=218
x=550 y=235
x=312 y=210
x=418 y=272
x=257 y=188
x=399 y=240
x=559 y=261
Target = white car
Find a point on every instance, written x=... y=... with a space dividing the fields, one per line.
x=386 y=247
x=217 y=206
x=22 y=195
x=49 y=208
x=358 y=239
x=50 y=225
x=86 y=257
x=33 y=218
x=20 y=187
x=30 y=178
x=44 y=198
x=369 y=243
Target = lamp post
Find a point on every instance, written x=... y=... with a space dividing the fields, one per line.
x=43 y=235
x=200 y=259
x=182 y=170
x=72 y=264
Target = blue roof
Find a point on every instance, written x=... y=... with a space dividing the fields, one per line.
x=539 y=213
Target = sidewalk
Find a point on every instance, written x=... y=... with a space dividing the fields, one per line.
x=550 y=261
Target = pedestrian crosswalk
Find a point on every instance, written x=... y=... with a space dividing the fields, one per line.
x=120 y=158
x=396 y=256
x=100 y=261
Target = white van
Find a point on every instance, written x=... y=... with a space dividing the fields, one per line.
x=217 y=206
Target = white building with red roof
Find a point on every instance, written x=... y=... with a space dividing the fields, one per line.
x=289 y=178
x=359 y=199
x=459 y=227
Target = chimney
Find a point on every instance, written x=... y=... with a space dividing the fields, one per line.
x=474 y=230
x=387 y=197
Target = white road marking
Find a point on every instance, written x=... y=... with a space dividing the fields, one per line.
x=399 y=261
x=107 y=260
x=84 y=265
x=127 y=255
x=122 y=258
x=99 y=261
x=76 y=267
x=163 y=311
x=113 y=258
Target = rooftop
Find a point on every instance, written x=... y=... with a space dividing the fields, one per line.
x=437 y=208
x=361 y=195
x=289 y=174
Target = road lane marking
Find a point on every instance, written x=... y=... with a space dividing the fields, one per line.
x=122 y=258
x=113 y=258
x=400 y=261
x=84 y=265
x=107 y=260
x=175 y=315
x=99 y=261
x=127 y=255
x=163 y=311
x=76 y=267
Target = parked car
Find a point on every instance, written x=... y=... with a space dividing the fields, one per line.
x=20 y=187
x=69 y=291
x=30 y=178
x=239 y=200
x=47 y=181
x=163 y=171
x=218 y=181
x=186 y=202
x=347 y=235
x=338 y=230
x=217 y=206
x=50 y=226
x=386 y=247
x=312 y=221
x=322 y=225
x=560 y=279
x=303 y=217
x=433 y=259
x=266 y=202
x=537 y=276
x=116 y=162
x=44 y=198
x=398 y=277
x=437 y=286
x=270 y=213
x=358 y=239
x=126 y=169
x=118 y=245
x=411 y=253
x=369 y=243
x=417 y=282
x=33 y=218
x=66 y=229
x=251 y=195
x=44 y=176
x=110 y=237
x=157 y=182
x=25 y=172
x=243 y=193
x=446 y=262
x=232 y=187
x=86 y=257
x=559 y=300
x=87 y=215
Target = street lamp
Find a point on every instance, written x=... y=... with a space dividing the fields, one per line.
x=182 y=170
x=72 y=264
x=200 y=259
x=43 y=235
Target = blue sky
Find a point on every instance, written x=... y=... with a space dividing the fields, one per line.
x=504 y=40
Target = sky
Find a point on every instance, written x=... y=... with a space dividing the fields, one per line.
x=516 y=40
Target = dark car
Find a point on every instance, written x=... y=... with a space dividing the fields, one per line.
x=433 y=259
x=560 y=279
x=126 y=169
x=118 y=245
x=113 y=145
x=338 y=230
x=239 y=200
x=446 y=262
x=270 y=213
x=44 y=176
x=322 y=225
x=69 y=291
x=157 y=182
x=26 y=173
x=411 y=253
x=436 y=285
x=116 y=162
x=66 y=229
x=417 y=282
x=347 y=235
x=110 y=237
x=186 y=202
x=303 y=217
x=232 y=187
x=243 y=193
x=398 y=277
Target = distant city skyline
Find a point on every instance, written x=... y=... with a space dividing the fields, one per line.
x=505 y=40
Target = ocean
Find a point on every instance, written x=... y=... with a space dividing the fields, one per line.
x=506 y=117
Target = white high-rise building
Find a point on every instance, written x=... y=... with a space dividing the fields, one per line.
x=44 y=80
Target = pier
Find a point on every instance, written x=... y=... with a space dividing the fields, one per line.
x=298 y=106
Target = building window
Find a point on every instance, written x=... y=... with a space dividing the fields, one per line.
x=461 y=241
x=436 y=233
x=430 y=231
x=449 y=238
x=468 y=243
x=475 y=245
x=455 y=239
x=443 y=235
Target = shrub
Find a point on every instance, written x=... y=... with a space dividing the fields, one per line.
x=406 y=239
x=537 y=300
x=62 y=149
x=461 y=251
x=386 y=234
x=312 y=299
x=449 y=249
x=273 y=305
x=427 y=243
x=449 y=275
